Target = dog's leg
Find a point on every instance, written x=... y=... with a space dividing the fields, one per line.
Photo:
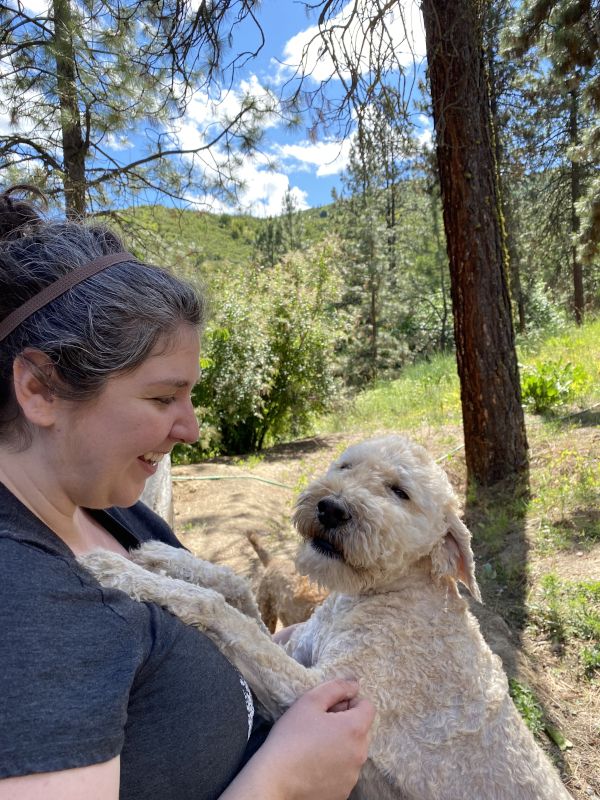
x=179 y=563
x=276 y=679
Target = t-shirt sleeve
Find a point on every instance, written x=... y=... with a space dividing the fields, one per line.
x=68 y=660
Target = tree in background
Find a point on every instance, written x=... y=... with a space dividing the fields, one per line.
x=366 y=220
x=81 y=74
x=567 y=108
x=358 y=39
x=393 y=304
x=280 y=235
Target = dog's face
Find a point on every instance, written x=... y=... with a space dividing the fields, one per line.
x=380 y=508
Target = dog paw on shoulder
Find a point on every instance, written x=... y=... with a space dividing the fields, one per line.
x=104 y=564
x=153 y=553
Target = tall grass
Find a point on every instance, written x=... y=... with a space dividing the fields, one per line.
x=578 y=346
x=428 y=393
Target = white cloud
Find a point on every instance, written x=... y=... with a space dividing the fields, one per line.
x=329 y=156
x=205 y=115
x=262 y=195
x=37 y=7
x=265 y=189
x=425 y=131
x=403 y=28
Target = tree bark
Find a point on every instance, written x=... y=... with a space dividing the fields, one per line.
x=158 y=492
x=73 y=143
x=493 y=419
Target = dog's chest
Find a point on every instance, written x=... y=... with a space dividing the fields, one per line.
x=330 y=634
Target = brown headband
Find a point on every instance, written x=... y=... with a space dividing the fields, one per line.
x=60 y=286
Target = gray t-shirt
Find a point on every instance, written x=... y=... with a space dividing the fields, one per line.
x=86 y=673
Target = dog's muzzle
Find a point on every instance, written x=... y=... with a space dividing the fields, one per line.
x=332 y=513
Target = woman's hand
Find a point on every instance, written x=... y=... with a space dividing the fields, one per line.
x=314 y=752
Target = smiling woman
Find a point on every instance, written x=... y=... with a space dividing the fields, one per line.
x=99 y=354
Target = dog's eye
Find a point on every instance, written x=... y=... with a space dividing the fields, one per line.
x=345 y=465
x=399 y=492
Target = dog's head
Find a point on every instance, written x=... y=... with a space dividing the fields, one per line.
x=381 y=507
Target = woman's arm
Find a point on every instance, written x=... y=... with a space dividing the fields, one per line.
x=97 y=782
x=315 y=750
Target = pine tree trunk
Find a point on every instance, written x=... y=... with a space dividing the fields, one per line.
x=73 y=144
x=493 y=420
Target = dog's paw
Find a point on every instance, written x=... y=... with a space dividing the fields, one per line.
x=104 y=565
x=114 y=571
x=155 y=556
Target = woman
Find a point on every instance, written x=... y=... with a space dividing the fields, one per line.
x=103 y=697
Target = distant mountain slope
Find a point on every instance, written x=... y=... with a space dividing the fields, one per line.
x=201 y=241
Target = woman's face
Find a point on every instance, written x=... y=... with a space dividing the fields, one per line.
x=103 y=451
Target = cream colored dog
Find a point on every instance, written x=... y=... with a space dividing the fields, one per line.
x=381 y=530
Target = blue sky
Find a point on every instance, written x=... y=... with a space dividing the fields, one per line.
x=310 y=169
x=289 y=161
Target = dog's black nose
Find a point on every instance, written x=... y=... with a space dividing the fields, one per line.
x=332 y=513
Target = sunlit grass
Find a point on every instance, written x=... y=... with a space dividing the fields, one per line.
x=568 y=613
x=579 y=346
x=426 y=394
x=566 y=501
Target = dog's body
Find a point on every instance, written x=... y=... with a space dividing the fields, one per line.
x=283 y=594
x=381 y=530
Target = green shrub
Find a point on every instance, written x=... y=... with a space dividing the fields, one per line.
x=266 y=357
x=527 y=706
x=551 y=383
x=590 y=660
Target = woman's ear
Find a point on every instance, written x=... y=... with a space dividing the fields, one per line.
x=33 y=375
x=453 y=557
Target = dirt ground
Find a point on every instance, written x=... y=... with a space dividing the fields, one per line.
x=219 y=501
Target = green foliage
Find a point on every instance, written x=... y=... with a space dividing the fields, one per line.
x=527 y=706
x=568 y=612
x=395 y=303
x=427 y=393
x=105 y=71
x=566 y=501
x=552 y=383
x=193 y=242
x=590 y=660
x=266 y=357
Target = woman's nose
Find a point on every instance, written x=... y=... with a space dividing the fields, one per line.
x=185 y=428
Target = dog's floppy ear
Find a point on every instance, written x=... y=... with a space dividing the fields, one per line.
x=453 y=557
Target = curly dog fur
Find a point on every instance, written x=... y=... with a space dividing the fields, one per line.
x=381 y=531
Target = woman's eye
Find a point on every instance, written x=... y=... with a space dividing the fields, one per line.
x=165 y=400
x=399 y=492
